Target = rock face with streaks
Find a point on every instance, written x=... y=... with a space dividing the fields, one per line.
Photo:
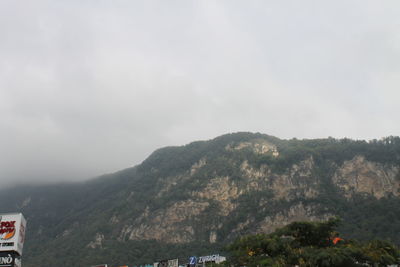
x=210 y=192
x=258 y=188
x=359 y=175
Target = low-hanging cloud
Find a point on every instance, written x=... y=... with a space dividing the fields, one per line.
x=89 y=87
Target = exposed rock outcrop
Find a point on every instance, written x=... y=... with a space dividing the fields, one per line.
x=297 y=212
x=362 y=176
x=97 y=242
x=166 y=225
x=259 y=146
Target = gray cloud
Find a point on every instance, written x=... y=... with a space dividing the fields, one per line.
x=88 y=87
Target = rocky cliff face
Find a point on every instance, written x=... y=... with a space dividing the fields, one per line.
x=362 y=176
x=212 y=192
x=298 y=186
x=173 y=223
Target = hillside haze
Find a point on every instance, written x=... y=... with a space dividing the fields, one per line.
x=193 y=199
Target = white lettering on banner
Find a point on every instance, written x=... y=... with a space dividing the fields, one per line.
x=212 y=258
x=208 y=258
x=6 y=260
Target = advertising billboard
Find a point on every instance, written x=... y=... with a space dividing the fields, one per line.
x=12 y=232
x=9 y=259
x=212 y=258
x=166 y=263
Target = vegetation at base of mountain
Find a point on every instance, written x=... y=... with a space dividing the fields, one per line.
x=310 y=244
x=132 y=253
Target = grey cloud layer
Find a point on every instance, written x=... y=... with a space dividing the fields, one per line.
x=88 y=87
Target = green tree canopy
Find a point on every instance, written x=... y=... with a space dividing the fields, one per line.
x=310 y=244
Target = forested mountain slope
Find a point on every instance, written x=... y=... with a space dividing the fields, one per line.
x=193 y=199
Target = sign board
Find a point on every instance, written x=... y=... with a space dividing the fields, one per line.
x=192 y=261
x=173 y=263
x=12 y=232
x=166 y=263
x=212 y=258
x=10 y=259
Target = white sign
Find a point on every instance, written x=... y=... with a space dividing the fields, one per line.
x=166 y=263
x=212 y=258
x=12 y=232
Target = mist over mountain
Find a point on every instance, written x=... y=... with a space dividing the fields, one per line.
x=92 y=87
x=193 y=199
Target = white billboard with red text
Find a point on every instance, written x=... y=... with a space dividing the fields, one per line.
x=12 y=232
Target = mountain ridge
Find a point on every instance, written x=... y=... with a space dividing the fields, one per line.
x=202 y=195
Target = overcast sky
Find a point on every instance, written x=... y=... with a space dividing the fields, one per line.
x=92 y=87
